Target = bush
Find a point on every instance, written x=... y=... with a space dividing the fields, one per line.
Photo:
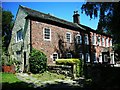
x=38 y=61
x=78 y=64
x=67 y=61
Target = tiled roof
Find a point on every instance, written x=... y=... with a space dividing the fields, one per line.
x=40 y=15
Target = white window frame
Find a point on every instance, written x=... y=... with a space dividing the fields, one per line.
x=67 y=38
x=103 y=41
x=69 y=54
x=107 y=45
x=81 y=55
x=44 y=34
x=94 y=39
x=80 y=37
x=110 y=42
x=99 y=40
x=53 y=56
x=17 y=36
x=95 y=57
x=87 y=55
x=86 y=39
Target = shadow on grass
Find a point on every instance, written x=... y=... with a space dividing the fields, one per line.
x=30 y=86
x=17 y=85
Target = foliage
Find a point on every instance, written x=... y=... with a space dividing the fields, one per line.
x=67 y=61
x=109 y=20
x=7 y=24
x=10 y=81
x=38 y=61
x=48 y=76
x=78 y=65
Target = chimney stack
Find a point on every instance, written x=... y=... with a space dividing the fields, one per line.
x=76 y=17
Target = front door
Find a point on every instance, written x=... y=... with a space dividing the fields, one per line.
x=25 y=62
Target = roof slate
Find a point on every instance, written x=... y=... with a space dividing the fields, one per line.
x=37 y=14
x=40 y=15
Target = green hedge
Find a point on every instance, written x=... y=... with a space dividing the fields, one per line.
x=38 y=61
x=77 y=62
x=67 y=61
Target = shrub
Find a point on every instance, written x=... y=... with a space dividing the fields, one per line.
x=67 y=61
x=78 y=64
x=38 y=61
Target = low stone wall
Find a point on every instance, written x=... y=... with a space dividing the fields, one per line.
x=61 y=69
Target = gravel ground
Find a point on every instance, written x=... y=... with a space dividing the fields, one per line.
x=58 y=83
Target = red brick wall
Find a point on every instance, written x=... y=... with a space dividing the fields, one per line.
x=49 y=47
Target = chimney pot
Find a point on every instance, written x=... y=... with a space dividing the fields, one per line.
x=76 y=17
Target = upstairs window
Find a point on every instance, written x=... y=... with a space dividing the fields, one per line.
x=111 y=42
x=94 y=39
x=86 y=39
x=55 y=56
x=98 y=40
x=19 y=36
x=68 y=37
x=79 y=39
x=107 y=42
x=69 y=55
x=103 y=43
x=47 y=34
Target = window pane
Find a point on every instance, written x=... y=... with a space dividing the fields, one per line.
x=19 y=35
x=46 y=33
x=68 y=37
x=55 y=56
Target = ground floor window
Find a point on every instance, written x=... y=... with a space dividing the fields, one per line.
x=69 y=55
x=81 y=55
x=94 y=57
x=87 y=57
x=55 y=56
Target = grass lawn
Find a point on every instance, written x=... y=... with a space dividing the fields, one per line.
x=48 y=76
x=10 y=81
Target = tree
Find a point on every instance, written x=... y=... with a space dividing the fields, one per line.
x=7 y=24
x=109 y=18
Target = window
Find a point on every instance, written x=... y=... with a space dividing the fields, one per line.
x=68 y=37
x=103 y=43
x=47 y=34
x=86 y=39
x=98 y=39
x=19 y=36
x=94 y=39
x=79 y=39
x=55 y=56
x=18 y=55
x=81 y=56
x=107 y=42
x=69 y=55
x=111 y=42
x=94 y=57
x=87 y=57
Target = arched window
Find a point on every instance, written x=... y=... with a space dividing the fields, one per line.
x=55 y=56
x=79 y=39
x=86 y=39
x=87 y=57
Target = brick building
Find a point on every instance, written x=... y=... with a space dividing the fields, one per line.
x=57 y=38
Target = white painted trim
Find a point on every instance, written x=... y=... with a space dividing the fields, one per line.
x=17 y=35
x=44 y=34
x=70 y=37
x=52 y=56
x=77 y=38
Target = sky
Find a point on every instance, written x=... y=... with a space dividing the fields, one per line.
x=62 y=10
